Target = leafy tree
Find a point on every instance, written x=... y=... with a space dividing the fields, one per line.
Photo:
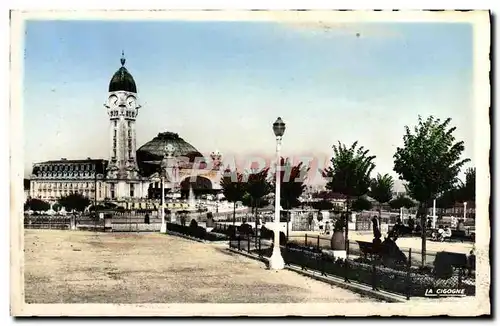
x=381 y=190
x=248 y=201
x=468 y=189
x=401 y=201
x=349 y=173
x=36 y=205
x=429 y=161
x=232 y=188
x=292 y=178
x=257 y=186
x=448 y=198
x=74 y=201
x=361 y=204
x=459 y=193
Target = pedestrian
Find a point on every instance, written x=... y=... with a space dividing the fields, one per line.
x=327 y=227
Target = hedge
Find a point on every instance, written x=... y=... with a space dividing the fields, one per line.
x=401 y=281
x=195 y=231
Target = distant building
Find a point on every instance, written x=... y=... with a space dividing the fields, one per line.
x=52 y=180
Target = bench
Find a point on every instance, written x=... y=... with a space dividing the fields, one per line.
x=368 y=248
x=445 y=262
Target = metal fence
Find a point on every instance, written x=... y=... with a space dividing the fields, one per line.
x=47 y=222
x=405 y=277
x=82 y=222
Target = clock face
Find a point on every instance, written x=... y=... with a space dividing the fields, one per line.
x=113 y=100
x=131 y=102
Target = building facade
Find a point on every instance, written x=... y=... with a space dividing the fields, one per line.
x=51 y=180
x=128 y=174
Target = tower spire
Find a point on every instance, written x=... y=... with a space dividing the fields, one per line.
x=122 y=60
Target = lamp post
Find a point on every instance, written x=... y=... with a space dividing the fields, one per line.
x=465 y=210
x=276 y=261
x=434 y=217
x=167 y=156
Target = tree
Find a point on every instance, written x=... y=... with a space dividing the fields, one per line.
x=361 y=204
x=232 y=188
x=401 y=201
x=292 y=178
x=248 y=201
x=429 y=160
x=74 y=201
x=381 y=190
x=349 y=174
x=350 y=171
x=257 y=186
x=449 y=198
x=36 y=205
x=468 y=188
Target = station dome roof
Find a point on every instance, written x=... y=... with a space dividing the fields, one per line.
x=151 y=153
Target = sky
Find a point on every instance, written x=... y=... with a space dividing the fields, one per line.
x=221 y=85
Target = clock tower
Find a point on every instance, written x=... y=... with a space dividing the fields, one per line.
x=122 y=108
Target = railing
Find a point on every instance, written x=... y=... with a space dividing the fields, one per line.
x=404 y=277
x=55 y=222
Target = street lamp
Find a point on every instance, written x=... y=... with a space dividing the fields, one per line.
x=465 y=210
x=276 y=261
x=167 y=156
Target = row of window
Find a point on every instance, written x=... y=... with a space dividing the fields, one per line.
x=64 y=193
x=65 y=174
x=64 y=190
x=67 y=185
x=128 y=114
x=66 y=167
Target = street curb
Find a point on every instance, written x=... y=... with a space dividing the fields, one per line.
x=354 y=287
x=246 y=254
x=194 y=239
x=185 y=236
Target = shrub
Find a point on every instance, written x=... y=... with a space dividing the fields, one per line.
x=215 y=237
x=245 y=229
x=231 y=231
x=265 y=233
x=269 y=235
x=199 y=232
x=193 y=224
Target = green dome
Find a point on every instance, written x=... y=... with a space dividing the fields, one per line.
x=122 y=80
x=154 y=150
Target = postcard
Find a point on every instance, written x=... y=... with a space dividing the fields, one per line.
x=250 y=163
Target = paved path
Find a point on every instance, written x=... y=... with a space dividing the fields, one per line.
x=89 y=267
x=404 y=243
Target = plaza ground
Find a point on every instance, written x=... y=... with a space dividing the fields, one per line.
x=414 y=243
x=90 y=267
